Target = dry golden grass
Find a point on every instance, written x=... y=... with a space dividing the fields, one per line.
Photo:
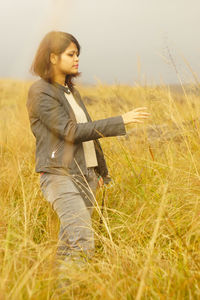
x=149 y=243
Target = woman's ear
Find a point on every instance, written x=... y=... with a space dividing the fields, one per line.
x=53 y=58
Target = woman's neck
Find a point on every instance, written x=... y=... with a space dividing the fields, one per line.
x=59 y=79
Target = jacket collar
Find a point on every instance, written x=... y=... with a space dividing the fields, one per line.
x=60 y=86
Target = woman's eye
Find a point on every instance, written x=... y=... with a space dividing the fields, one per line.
x=73 y=54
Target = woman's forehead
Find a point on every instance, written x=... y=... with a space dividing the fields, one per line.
x=72 y=47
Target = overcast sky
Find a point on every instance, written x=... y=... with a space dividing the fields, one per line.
x=121 y=41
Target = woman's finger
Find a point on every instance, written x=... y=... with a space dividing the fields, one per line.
x=141 y=116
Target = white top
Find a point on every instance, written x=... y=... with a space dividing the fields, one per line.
x=88 y=146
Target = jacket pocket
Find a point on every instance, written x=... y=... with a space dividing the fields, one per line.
x=55 y=150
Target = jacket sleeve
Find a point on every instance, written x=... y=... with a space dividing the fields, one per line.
x=52 y=114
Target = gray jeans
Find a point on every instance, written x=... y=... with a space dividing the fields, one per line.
x=73 y=198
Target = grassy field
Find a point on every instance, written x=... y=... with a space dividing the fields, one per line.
x=148 y=246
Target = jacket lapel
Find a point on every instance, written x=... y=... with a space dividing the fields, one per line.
x=69 y=109
x=80 y=102
x=67 y=106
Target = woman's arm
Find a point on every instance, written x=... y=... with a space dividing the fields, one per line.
x=55 y=118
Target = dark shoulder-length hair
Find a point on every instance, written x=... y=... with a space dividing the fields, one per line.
x=53 y=42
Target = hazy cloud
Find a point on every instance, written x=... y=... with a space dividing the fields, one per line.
x=122 y=41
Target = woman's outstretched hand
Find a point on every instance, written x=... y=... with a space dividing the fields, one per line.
x=136 y=115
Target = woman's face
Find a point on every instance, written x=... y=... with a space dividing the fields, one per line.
x=68 y=63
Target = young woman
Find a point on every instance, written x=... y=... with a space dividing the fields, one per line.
x=69 y=156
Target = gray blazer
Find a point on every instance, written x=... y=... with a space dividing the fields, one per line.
x=59 y=137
